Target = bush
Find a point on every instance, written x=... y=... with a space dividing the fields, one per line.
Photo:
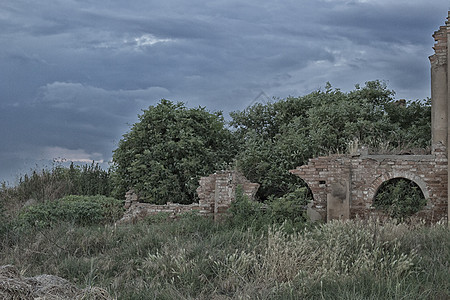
x=55 y=183
x=281 y=135
x=4 y=223
x=289 y=210
x=163 y=155
x=400 y=198
x=292 y=207
x=245 y=212
x=81 y=210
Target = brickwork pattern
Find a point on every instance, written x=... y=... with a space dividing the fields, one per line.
x=368 y=172
x=440 y=47
x=216 y=192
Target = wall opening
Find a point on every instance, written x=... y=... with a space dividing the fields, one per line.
x=399 y=198
x=308 y=200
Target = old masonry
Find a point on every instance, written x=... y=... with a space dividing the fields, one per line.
x=344 y=186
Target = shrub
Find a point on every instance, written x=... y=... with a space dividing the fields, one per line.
x=4 y=223
x=292 y=207
x=245 y=212
x=400 y=198
x=55 y=183
x=281 y=135
x=163 y=155
x=81 y=210
x=289 y=210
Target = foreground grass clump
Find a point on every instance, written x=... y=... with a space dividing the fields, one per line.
x=194 y=257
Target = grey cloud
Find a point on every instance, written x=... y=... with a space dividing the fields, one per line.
x=74 y=73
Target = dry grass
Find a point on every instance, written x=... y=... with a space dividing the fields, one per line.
x=14 y=286
x=193 y=258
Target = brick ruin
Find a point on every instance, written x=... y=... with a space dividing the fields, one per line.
x=344 y=186
x=216 y=192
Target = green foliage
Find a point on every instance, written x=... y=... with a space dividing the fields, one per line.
x=88 y=180
x=55 y=183
x=279 y=136
x=165 y=153
x=399 y=198
x=289 y=211
x=81 y=210
x=4 y=222
x=291 y=207
x=246 y=213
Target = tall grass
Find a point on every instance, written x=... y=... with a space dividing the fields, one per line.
x=260 y=252
x=54 y=183
x=195 y=258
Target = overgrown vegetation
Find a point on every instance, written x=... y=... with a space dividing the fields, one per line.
x=61 y=221
x=80 y=210
x=54 y=183
x=165 y=153
x=289 y=211
x=194 y=257
x=278 y=136
x=399 y=198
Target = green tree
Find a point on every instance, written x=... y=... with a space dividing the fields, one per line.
x=165 y=153
x=279 y=136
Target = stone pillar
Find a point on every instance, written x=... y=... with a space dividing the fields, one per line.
x=440 y=93
x=338 y=198
x=439 y=88
x=439 y=109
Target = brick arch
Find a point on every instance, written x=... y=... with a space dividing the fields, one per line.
x=375 y=186
x=366 y=173
x=314 y=189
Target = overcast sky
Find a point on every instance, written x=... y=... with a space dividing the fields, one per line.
x=74 y=74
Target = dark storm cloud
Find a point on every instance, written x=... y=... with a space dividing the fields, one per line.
x=73 y=74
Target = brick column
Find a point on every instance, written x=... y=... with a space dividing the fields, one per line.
x=440 y=93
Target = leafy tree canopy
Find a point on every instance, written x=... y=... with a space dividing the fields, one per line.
x=279 y=136
x=165 y=153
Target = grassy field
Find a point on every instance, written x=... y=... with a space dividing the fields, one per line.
x=195 y=258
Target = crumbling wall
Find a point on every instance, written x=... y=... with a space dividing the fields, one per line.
x=219 y=190
x=344 y=186
x=216 y=192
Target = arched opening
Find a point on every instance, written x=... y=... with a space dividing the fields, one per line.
x=399 y=198
x=293 y=205
x=305 y=193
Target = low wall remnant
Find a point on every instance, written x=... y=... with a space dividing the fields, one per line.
x=215 y=193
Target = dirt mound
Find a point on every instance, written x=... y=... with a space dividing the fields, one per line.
x=49 y=287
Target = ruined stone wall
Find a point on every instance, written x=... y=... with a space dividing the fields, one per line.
x=219 y=190
x=344 y=186
x=216 y=192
